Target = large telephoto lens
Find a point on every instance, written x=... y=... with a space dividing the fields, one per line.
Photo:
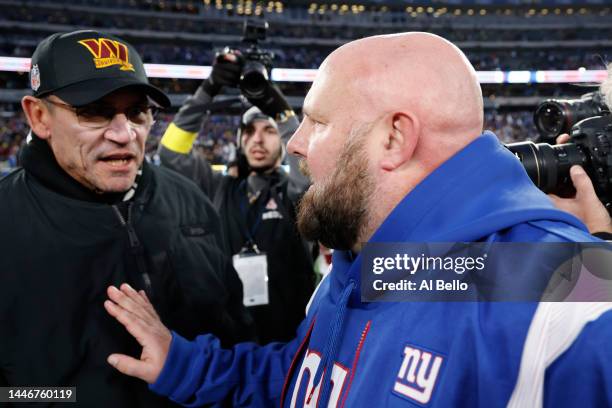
x=556 y=116
x=548 y=166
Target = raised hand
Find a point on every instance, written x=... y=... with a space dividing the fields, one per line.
x=136 y=313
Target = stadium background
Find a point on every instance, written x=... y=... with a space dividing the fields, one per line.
x=514 y=45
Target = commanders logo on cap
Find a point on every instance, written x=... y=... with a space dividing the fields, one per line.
x=107 y=52
x=35 y=78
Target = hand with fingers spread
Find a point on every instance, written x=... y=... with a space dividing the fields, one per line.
x=136 y=313
x=584 y=205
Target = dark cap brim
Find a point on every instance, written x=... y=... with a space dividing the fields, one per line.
x=90 y=91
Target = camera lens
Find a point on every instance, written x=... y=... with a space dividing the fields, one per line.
x=550 y=119
x=254 y=79
x=548 y=166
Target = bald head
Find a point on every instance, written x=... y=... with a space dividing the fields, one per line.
x=418 y=71
x=408 y=102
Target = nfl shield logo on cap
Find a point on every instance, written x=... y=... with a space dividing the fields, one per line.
x=35 y=78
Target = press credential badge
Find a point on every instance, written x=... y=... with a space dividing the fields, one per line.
x=252 y=269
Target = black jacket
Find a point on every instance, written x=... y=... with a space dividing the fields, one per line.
x=272 y=220
x=59 y=254
x=291 y=278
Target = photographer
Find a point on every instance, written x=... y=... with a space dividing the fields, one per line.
x=585 y=204
x=257 y=208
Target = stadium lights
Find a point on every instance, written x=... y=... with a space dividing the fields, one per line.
x=14 y=64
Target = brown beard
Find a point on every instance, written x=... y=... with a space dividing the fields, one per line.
x=335 y=211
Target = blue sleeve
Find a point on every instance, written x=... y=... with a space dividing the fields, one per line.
x=201 y=372
x=582 y=375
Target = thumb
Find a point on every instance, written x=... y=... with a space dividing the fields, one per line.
x=131 y=366
x=582 y=182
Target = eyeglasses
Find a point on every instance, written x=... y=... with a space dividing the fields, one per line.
x=98 y=116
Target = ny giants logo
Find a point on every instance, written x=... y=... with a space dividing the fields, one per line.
x=417 y=375
x=108 y=52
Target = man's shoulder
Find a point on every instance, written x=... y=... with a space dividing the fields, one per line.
x=12 y=181
x=173 y=182
x=547 y=231
x=557 y=230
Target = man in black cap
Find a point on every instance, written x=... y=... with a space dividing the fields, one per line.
x=86 y=211
x=257 y=208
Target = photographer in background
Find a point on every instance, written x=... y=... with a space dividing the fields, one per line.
x=585 y=204
x=257 y=208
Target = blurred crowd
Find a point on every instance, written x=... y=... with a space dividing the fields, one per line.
x=217 y=138
x=202 y=29
x=510 y=58
x=186 y=32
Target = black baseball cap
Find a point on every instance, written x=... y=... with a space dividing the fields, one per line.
x=83 y=66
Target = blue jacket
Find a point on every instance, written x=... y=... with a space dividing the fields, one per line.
x=423 y=354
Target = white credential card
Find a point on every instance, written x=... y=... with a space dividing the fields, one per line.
x=253 y=272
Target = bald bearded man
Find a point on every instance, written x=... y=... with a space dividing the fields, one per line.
x=391 y=138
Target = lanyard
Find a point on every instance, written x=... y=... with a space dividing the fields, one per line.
x=249 y=233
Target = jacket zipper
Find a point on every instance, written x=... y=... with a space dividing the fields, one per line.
x=136 y=248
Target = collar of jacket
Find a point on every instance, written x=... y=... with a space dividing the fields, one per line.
x=38 y=160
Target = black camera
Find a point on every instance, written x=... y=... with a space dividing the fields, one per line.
x=258 y=62
x=556 y=116
x=590 y=146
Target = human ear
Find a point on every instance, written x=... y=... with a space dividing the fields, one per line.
x=401 y=140
x=37 y=115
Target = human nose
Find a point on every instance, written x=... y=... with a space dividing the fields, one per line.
x=120 y=130
x=257 y=136
x=298 y=143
